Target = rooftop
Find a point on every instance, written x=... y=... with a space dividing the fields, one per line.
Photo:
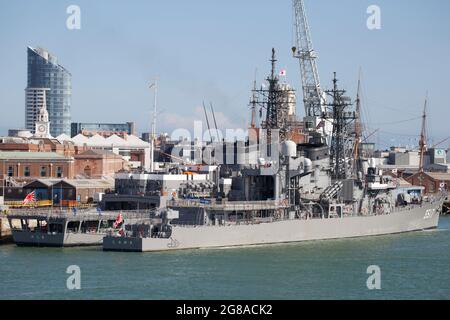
x=46 y=182
x=17 y=155
x=98 y=152
x=441 y=176
x=77 y=183
x=97 y=141
x=89 y=183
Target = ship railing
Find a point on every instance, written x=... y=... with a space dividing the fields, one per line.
x=213 y=204
x=85 y=214
x=413 y=206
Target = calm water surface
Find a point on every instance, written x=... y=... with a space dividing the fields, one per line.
x=413 y=266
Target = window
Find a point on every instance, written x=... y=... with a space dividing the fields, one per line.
x=87 y=171
x=43 y=171
x=26 y=171
x=59 y=172
x=431 y=187
x=10 y=171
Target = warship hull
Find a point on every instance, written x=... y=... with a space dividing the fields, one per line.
x=37 y=239
x=285 y=231
x=43 y=229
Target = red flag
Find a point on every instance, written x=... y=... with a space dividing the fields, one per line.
x=118 y=221
x=31 y=197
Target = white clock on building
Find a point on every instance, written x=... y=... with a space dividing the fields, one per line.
x=42 y=125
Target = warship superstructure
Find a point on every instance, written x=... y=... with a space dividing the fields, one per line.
x=289 y=181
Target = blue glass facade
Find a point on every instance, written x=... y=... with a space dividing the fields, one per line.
x=45 y=72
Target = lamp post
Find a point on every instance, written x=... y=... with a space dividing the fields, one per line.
x=51 y=166
x=60 y=197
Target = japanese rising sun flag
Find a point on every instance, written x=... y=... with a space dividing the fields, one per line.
x=31 y=197
x=119 y=221
x=283 y=73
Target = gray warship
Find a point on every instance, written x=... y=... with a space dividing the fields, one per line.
x=289 y=181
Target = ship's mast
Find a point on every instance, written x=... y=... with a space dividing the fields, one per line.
x=341 y=149
x=273 y=100
x=358 y=128
x=253 y=105
x=423 y=137
x=271 y=114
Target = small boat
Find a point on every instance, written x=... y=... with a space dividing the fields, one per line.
x=61 y=228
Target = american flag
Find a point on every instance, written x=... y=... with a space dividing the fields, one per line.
x=31 y=197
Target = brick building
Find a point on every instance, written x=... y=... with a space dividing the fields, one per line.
x=432 y=181
x=27 y=166
x=97 y=163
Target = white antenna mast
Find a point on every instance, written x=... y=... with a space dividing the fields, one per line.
x=154 y=85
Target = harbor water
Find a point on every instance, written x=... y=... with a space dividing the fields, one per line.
x=412 y=265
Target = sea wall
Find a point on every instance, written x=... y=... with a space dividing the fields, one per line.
x=5 y=230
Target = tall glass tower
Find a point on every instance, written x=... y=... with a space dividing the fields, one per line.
x=44 y=72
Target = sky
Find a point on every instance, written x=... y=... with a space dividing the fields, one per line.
x=207 y=50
